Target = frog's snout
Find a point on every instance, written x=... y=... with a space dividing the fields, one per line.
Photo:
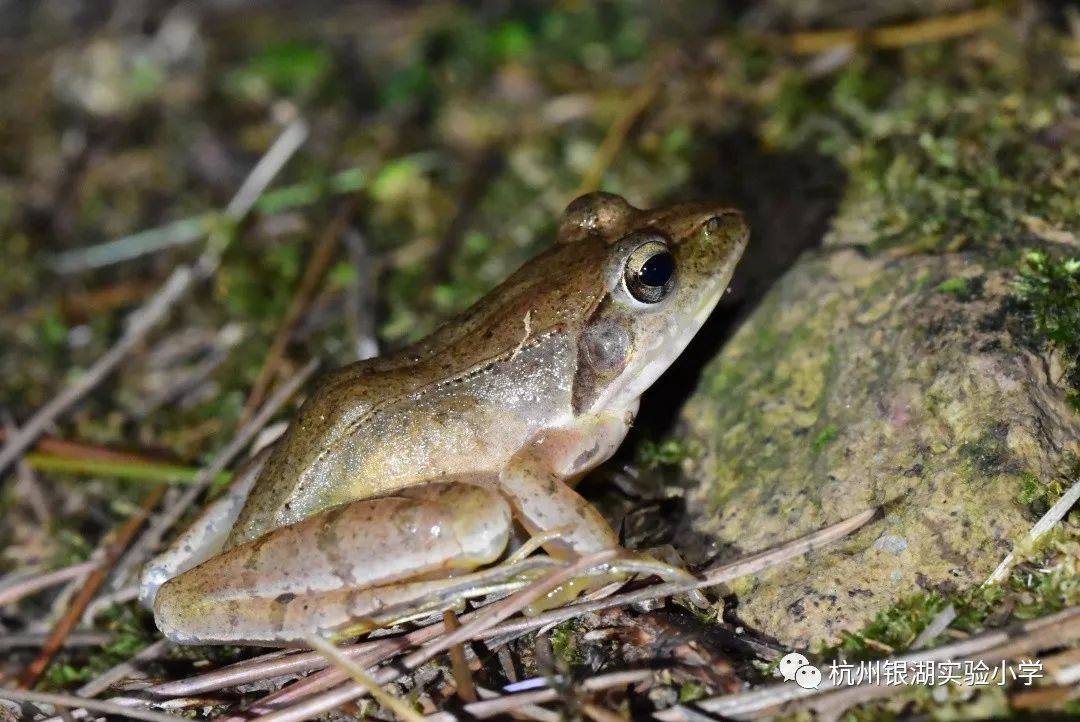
x=728 y=224
x=722 y=237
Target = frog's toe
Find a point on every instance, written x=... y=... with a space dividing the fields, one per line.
x=607 y=578
x=644 y=564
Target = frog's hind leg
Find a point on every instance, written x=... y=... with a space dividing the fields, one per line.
x=206 y=535
x=328 y=573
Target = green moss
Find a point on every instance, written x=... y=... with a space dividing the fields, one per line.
x=955 y=286
x=669 y=452
x=288 y=68
x=691 y=692
x=70 y=547
x=908 y=125
x=989 y=454
x=130 y=630
x=1047 y=593
x=342 y=275
x=512 y=40
x=725 y=379
x=1042 y=582
x=869 y=714
x=1030 y=488
x=935 y=400
x=922 y=282
x=242 y=285
x=52 y=328
x=392 y=182
x=565 y=643
x=145 y=79
x=1039 y=496
x=824 y=438
x=407 y=84
x=895 y=628
x=1048 y=290
x=939 y=157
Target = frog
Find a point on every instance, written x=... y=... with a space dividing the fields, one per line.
x=408 y=482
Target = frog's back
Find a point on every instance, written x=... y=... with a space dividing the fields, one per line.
x=454 y=404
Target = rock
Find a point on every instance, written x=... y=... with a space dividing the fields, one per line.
x=861 y=380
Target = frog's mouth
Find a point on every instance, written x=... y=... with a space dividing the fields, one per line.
x=685 y=316
x=657 y=353
x=666 y=346
x=708 y=301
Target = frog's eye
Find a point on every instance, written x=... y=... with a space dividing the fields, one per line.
x=650 y=272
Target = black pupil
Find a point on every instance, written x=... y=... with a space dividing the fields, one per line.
x=657 y=270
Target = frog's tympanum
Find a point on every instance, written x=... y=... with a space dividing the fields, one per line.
x=404 y=483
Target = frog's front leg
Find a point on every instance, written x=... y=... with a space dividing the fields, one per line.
x=328 y=573
x=536 y=482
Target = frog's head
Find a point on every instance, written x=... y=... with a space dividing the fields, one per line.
x=664 y=272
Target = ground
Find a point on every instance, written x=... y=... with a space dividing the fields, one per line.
x=905 y=328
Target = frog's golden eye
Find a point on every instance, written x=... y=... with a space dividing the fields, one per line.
x=650 y=272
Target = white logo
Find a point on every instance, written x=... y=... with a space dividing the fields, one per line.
x=790 y=664
x=795 y=667
x=808 y=677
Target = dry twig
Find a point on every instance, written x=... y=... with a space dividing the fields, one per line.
x=75 y=639
x=896 y=36
x=370 y=653
x=125 y=669
x=17 y=590
x=482 y=625
x=509 y=702
x=1053 y=515
x=334 y=655
x=142 y=321
x=635 y=105
x=361 y=297
x=466 y=689
x=153 y=536
x=69 y=702
x=54 y=446
x=1046 y=522
x=937 y=625
x=482 y=620
x=710 y=578
x=189 y=230
x=67 y=623
x=316 y=269
x=786 y=698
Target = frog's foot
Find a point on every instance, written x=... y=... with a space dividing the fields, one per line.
x=605 y=577
x=384 y=607
x=350 y=567
x=517 y=571
x=668 y=554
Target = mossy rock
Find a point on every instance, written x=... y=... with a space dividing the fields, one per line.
x=862 y=380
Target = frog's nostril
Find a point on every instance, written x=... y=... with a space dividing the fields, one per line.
x=726 y=218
